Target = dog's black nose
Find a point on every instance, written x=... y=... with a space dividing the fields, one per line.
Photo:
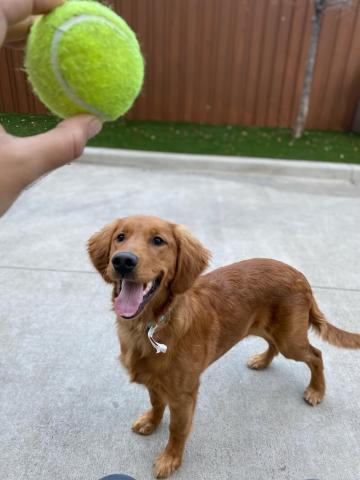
x=124 y=262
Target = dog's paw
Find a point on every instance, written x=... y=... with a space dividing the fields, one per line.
x=258 y=362
x=165 y=465
x=145 y=424
x=312 y=396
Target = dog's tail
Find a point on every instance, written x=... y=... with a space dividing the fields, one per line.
x=331 y=334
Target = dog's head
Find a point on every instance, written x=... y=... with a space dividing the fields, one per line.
x=147 y=259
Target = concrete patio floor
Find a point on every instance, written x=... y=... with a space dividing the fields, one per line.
x=66 y=406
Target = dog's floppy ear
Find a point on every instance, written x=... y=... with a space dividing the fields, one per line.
x=99 y=249
x=192 y=259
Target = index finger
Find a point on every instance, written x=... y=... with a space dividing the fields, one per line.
x=15 y=11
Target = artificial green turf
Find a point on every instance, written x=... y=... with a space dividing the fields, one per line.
x=207 y=139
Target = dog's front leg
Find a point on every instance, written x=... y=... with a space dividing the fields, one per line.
x=181 y=415
x=147 y=423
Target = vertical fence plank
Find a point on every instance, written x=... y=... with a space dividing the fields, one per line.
x=237 y=70
x=254 y=67
x=267 y=60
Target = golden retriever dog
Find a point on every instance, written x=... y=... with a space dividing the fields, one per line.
x=173 y=322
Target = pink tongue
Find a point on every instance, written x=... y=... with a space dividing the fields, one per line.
x=128 y=301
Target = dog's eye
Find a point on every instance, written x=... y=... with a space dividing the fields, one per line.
x=120 y=237
x=158 y=241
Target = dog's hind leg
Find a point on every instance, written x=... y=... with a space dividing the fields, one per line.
x=292 y=340
x=310 y=355
x=316 y=390
x=263 y=360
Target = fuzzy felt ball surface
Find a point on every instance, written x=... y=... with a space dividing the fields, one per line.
x=83 y=58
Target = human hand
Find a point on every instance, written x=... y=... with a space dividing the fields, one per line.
x=23 y=160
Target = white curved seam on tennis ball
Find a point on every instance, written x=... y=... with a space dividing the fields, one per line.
x=56 y=67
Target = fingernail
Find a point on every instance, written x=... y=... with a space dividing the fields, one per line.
x=94 y=127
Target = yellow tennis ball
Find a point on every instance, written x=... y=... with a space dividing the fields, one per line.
x=83 y=58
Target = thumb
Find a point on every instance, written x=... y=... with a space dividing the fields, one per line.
x=61 y=145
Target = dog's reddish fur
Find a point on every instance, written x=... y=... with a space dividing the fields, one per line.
x=206 y=316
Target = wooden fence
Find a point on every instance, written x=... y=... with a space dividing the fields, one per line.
x=229 y=62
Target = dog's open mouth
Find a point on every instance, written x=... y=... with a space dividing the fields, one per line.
x=134 y=296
